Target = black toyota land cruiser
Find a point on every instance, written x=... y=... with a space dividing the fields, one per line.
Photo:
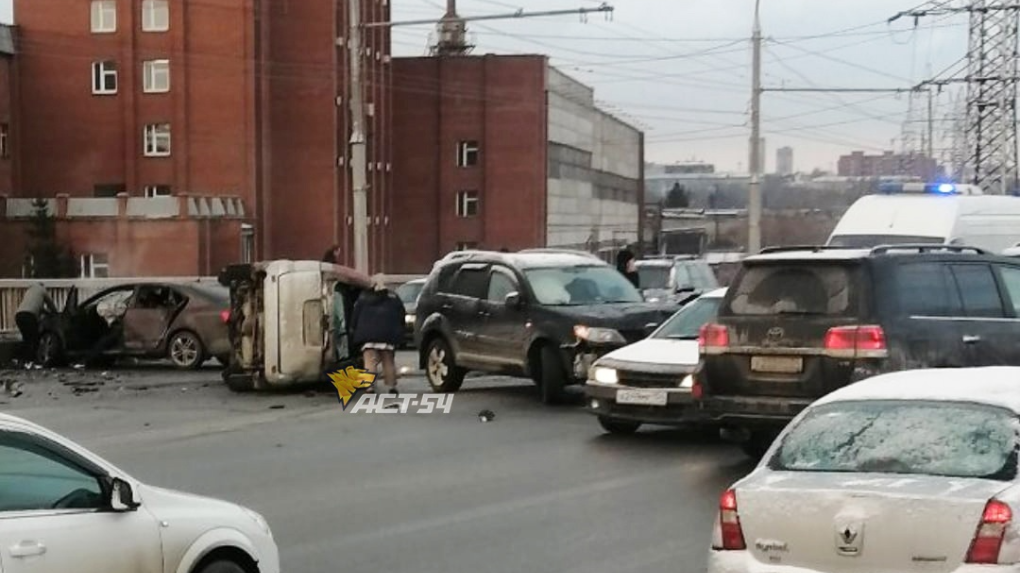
x=799 y=323
x=542 y=315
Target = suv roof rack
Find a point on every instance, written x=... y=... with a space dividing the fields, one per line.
x=927 y=248
x=793 y=248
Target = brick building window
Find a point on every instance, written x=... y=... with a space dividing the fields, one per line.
x=156 y=76
x=94 y=266
x=5 y=141
x=108 y=189
x=467 y=203
x=157 y=140
x=157 y=191
x=104 y=16
x=155 y=15
x=467 y=153
x=104 y=78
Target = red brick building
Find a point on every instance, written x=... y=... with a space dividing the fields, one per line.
x=8 y=102
x=888 y=164
x=212 y=98
x=506 y=151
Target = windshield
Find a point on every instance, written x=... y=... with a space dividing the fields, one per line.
x=653 y=277
x=582 y=285
x=686 y=324
x=871 y=241
x=408 y=292
x=904 y=438
x=804 y=288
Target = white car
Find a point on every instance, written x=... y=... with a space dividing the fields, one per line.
x=906 y=472
x=64 y=509
x=649 y=382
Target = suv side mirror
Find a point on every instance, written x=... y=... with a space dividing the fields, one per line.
x=513 y=301
x=122 y=497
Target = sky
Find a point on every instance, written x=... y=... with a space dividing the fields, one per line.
x=680 y=70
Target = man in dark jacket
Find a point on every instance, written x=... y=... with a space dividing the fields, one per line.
x=378 y=326
x=625 y=264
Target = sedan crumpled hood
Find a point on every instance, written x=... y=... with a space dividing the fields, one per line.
x=654 y=354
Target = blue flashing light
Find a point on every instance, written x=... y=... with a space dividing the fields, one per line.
x=946 y=188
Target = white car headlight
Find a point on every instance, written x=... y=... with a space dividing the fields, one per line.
x=605 y=375
x=688 y=382
x=409 y=319
x=258 y=519
x=599 y=335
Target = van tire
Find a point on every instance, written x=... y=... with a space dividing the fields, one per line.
x=441 y=368
x=553 y=376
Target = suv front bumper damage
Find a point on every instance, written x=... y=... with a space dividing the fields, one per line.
x=581 y=356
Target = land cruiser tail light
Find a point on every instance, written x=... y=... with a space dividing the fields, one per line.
x=856 y=341
x=713 y=337
x=730 y=536
x=990 y=533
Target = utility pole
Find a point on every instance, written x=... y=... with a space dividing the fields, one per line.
x=931 y=136
x=359 y=165
x=754 y=194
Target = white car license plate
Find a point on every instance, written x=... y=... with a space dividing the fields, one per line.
x=642 y=397
x=777 y=364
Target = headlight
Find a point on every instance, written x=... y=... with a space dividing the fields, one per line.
x=599 y=335
x=605 y=375
x=261 y=521
x=688 y=382
x=409 y=319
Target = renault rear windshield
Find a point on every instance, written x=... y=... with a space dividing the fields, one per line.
x=808 y=288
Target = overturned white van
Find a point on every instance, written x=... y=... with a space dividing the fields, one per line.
x=289 y=322
x=935 y=214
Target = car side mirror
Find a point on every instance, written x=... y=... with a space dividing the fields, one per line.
x=514 y=301
x=122 y=497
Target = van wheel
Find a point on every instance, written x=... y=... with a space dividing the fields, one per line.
x=442 y=372
x=618 y=426
x=554 y=377
x=758 y=443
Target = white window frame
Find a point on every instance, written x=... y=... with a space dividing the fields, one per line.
x=150 y=10
x=5 y=140
x=154 y=71
x=153 y=191
x=101 y=71
x=152 y=135
x=466 y=149
x=103 y=17
x=91 y=269
x=465 y=200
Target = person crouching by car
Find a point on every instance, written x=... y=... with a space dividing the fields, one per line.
x=378 y=326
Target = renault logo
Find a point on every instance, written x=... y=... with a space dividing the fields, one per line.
x=849 y=537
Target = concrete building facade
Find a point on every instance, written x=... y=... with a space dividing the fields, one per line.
x=216 y=98
x=506 y=152
x=784 y=161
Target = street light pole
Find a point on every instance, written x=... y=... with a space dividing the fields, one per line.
x=754 y=203
x=359 y=166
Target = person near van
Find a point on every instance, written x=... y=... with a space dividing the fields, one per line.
x=378 y=326
x=625 y=263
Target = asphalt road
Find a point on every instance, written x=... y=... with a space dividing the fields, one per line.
x=537 y=489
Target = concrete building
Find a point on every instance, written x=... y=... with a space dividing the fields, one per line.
x=242 y=99
x=888 y=164
x=784 y=161
x=506 y=151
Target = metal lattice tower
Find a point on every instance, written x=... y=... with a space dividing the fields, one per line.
x=991 y=137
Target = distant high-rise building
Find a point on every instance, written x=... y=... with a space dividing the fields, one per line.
x=784 y=161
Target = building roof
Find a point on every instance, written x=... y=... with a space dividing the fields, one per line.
x=994 y=386
x=7 y=40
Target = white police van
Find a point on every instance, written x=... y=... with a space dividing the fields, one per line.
x=939 y=213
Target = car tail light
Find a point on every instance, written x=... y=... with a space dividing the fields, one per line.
x=855 y=339
x=990 y=533
x=225 y=316
x=713 y=336
x=731 y=536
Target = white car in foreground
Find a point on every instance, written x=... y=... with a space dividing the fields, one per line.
x=906 y=472
x=64 y=509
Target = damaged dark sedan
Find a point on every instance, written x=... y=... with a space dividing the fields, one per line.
x=184 y=323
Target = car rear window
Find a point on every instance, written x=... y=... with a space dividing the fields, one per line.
x=797 y=288
x=903 y=437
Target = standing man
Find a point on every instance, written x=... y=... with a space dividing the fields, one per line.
x=625 y=264
x=378 y=326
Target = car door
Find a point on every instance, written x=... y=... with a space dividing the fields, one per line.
x=148 y=316
x=988 y=337
x=503 y=327
x=922 y=317
x=37 y=537
x=1009 y=285
x=294 y=324
x=461 y=305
